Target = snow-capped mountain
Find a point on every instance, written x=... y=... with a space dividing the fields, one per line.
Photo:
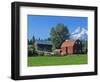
x=79 y=33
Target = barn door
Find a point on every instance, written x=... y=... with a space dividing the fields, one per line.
x=66 y=50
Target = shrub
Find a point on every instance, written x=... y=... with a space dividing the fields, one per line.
x=32 y=51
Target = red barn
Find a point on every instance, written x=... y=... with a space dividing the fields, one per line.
x=71 y=47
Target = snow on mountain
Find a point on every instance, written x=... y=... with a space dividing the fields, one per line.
x=79 y=33
x=77 y=30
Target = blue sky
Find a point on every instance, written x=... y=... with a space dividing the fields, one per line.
x=40 y=26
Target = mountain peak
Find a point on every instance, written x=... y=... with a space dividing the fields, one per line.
x=78 y=29
x=79 y=33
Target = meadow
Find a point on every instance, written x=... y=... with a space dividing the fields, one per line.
x=57 y=60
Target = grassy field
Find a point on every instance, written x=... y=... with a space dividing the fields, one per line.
x=57 y=60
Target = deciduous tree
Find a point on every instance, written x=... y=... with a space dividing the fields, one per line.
x=58 y=34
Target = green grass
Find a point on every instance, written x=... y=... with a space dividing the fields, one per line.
x=57 y=60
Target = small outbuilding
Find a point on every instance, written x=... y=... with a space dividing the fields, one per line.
x=43 y=46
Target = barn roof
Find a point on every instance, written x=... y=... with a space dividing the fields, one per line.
x=43 y=42
x=68 y=43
